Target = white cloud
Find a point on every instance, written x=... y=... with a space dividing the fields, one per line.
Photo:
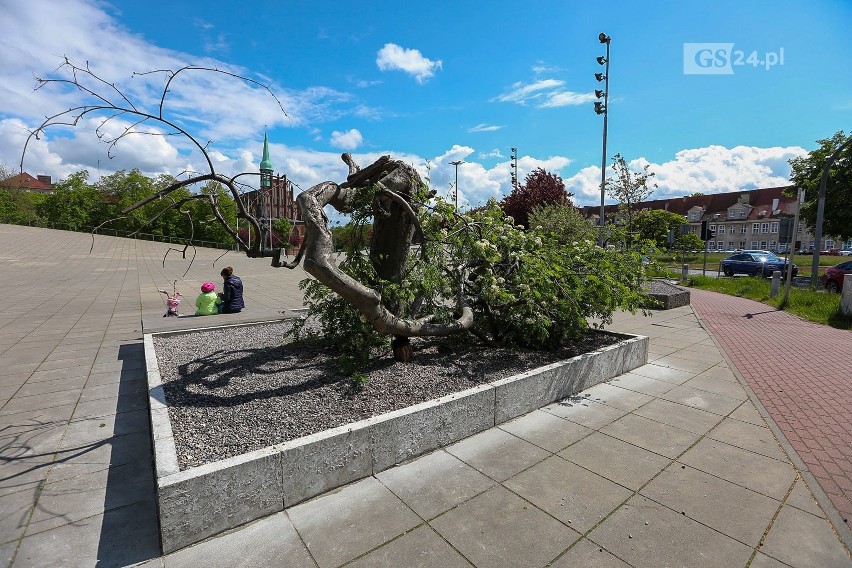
x=566 y=98
x=522 y=94
x=541 y=68
x=544 y=93
x=713 y=169
x=212 y=105
x=346 y=140
x=495 y=153
x=485 y=128
x=393 y=57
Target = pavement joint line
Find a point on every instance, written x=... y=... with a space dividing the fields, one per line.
x=772 y=521
x=842 y=530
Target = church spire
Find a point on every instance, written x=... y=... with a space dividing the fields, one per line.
x=265 y=165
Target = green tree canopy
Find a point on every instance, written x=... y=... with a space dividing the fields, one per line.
x=806 y=173
x=74 y=203
x=564 y=223
x=655 y=225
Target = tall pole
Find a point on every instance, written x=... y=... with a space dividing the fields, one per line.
x=823 y=180
x=456 y=192
x=605 y=39
x=793 y=232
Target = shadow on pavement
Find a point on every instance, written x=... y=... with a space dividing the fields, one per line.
x=130 y=531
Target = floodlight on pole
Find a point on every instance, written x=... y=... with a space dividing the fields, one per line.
x=457 y=163
x=602 y=108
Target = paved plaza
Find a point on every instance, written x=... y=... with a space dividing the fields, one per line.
x=705 y=456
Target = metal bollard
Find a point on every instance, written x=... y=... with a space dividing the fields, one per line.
x=846 y=296
x=684 y=276
x=776 y=284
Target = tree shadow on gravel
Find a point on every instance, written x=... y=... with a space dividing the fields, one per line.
x=228 y=378
x=225 y=370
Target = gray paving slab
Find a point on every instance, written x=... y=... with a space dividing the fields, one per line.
x=346 y=523
x=651 y=435
x=645 y=533
x=420 y=548
x=679 y=415
x=434 y=483
x=639 y=383
x=662 y=372
x=798 y=538
x=802 y=498
x=703 y=400
x=588 y=555
x=497 y=454
x=730 y=509
x=120 y=537
x=616 y=460
x=271 y=541
x=498 y=529
x=757 y=439
x=70 y=500
x=574 y=495
x=617 y=397
x=581 y=410
x=546 y=430
x=748 y=469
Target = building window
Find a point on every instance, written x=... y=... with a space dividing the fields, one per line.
x=742 y=244
x=800 y=227
x=755 y=228
x=721 y=245
x=711 y=245
x=754 y=244
x=774 y=227
x=773 y=246
x=721 y=230
x=763 y=245
x=829 y=243
x=694 y=215
x=744 y=229
x=764 y=227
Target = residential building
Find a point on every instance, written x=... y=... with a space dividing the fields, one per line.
x=26 y=182
x=748 y=219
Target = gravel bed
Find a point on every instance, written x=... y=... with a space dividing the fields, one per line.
x=239 y=389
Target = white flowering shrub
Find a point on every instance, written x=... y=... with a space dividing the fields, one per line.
x=526 y=288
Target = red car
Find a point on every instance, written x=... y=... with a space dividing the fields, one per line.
x=833 y=277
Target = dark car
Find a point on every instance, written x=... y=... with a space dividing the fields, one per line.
x=755 y=264
x=833 y=277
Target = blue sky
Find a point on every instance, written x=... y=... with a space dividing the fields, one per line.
x=443 y=81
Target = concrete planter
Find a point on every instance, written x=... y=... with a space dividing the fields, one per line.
x=202 y=501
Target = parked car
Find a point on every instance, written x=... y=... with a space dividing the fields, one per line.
x=832 y=280
x=755 y=263
x=845 y=253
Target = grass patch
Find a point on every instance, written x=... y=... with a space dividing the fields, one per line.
x=812 y=305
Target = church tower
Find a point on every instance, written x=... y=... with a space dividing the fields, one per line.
x=265 y=166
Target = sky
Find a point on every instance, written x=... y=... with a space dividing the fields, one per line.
x=713 y=96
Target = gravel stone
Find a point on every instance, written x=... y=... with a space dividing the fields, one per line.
x=238 y=389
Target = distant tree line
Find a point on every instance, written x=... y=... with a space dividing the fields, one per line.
x=78 y=204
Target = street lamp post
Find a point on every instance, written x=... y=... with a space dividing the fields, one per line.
x=456 y=164
x=603 y=108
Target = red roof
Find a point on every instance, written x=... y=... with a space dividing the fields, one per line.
x=759 y=200
x=26 y=181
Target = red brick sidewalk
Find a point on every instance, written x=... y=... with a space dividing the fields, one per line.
x=802 y=373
